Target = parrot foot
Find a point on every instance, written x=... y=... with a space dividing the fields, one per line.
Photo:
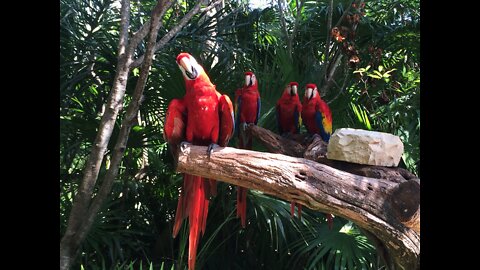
x=184 y=145
x=243 y=127
x=210 y=148
x=309 y=139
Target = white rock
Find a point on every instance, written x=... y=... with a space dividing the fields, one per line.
x=365 y=147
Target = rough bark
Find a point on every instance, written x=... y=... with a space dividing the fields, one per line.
x=130 y=116
x=373 y=204
x=69 y=244
x=315 y=149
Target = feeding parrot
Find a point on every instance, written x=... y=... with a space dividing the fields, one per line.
x=289 y=109
x=202 y=117
x=247 y=111
x=317 y=118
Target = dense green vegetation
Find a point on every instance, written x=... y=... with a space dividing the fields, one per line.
x=133 y=229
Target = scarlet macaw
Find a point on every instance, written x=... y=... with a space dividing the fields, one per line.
x=317 y=118
x=247 y=111
x=289 y=109
x=202 y=117
x=316 y=114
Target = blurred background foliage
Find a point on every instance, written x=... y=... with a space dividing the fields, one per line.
x=133 y=229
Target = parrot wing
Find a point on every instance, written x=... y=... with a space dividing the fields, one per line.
x=320 y=122
x=259 y=106
x=323 y=120
x=175 y=124
x=227 y=120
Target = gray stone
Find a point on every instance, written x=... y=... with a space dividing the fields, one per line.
x=365 y=147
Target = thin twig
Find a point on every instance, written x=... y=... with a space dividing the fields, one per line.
x=167 y=37
x=341 y=89
x=282 y=19
x=344 y=13
x=143 y=31
x=329 y=38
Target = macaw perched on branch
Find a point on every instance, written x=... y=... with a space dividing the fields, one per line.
x=316 y=114
x=317 y=119
x=202 y=117
x=289 y=109
x=247 y=111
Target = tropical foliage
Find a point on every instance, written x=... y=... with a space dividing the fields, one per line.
x=133 y=229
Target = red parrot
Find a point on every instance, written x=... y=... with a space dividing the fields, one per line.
x=202 y=117
x=247 y=110
x=316 y=114
x=289 y=109
x=317 y=118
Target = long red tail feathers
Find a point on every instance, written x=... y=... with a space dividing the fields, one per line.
x=178 y=216
x=292 y=210
x=193 y=204
x=241 y=191
x=242 y=205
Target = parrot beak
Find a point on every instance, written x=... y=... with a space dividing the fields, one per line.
x=188 y=68
x=248 y=80
x=293 y=90
x=309 y=93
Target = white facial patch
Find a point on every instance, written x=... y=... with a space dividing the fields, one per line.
x=294 y=89
x=247 y=80
x=308 y=92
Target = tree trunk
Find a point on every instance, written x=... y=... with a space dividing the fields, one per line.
x=85 y=207
x=389 y=210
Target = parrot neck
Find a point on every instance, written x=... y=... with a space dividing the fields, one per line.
x=287 y=96
x=251 y=88
x=202 y=80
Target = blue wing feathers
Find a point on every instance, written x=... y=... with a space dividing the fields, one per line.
x=319 y=122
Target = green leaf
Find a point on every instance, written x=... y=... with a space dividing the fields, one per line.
x=374 y=76
x=378 y=73
x=136 y=72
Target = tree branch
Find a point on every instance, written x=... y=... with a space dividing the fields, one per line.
x=331 y=69
x=316 y=151
x=341 y=89
x=75 y=232
x=345 y=13
x=167 y=37
x=284 y=24
x=295 y=26
x=143 y=31
x=329 y=37
x=130 y=116
x=371 y=203
x=124 y=24
x=337 y=61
